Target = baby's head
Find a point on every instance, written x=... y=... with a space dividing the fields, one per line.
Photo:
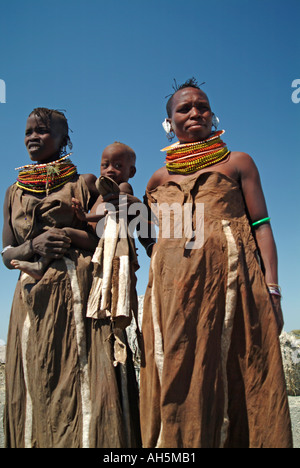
x=118 y=162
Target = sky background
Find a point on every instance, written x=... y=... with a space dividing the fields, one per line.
x=110 y=65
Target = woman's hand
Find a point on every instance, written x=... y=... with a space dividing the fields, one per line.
x=53 y=243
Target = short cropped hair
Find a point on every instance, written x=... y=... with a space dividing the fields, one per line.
x=127 y=150
x=190 y=83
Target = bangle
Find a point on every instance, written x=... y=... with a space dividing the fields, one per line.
x=261 y=221
x=6 y=248
x=274 y=289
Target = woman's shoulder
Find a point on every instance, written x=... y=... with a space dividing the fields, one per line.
x=243 y=163
x=158 y=178
x=10 y=190
x=90 y=180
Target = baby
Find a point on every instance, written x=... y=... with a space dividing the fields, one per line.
x=117 y=167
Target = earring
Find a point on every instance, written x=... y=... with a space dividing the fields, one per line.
x=168 y=129
x=215 y=121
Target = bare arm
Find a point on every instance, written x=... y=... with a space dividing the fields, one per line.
x=82 y=239
x=11 y=249
x=52 y=244
x=90 y=180
x=257 y=209
x=125 y=188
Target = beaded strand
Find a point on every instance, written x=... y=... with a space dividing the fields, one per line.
x=191 y=157
x=43 y=178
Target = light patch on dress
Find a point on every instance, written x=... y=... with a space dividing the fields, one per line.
x=230 y=308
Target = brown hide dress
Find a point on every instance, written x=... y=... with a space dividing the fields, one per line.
x=62 y=389
x=212 y=373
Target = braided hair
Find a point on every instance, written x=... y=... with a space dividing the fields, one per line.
x=52 y=117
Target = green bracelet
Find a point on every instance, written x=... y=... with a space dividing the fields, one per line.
x=261 y=221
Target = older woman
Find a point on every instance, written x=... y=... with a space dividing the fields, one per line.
x=212 y=374
x=62 y=388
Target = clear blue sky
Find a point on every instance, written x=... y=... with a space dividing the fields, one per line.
x=110 y=64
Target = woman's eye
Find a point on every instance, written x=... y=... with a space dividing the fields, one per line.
x=183 y=109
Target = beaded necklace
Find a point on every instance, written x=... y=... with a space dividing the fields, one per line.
x=43 y=178
x=191 y=157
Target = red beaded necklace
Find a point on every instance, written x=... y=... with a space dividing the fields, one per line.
x=44 y=178
x=191 y=157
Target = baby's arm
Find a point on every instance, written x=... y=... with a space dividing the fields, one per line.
x=83 y=239
x=97 y=212
x=88 y=217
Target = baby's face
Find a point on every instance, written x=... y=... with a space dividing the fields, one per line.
x=116 y=164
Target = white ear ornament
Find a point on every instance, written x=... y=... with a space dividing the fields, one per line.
x=215 y=121
x=168 y=129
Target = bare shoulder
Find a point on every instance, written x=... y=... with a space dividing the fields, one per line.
x=126 y=188
x=243 y=163
x=158 y=178
x=90 y=179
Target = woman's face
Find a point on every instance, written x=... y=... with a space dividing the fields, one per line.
x=191 y=118
x=43 y=143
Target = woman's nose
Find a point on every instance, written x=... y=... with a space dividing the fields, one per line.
x=195 y=112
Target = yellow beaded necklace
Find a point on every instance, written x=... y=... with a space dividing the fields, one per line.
x=43 y=178
x=191 y=157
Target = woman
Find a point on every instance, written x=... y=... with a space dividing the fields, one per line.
x=62 y=388
x=212 y=374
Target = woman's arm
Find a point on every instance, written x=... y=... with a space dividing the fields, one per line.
x=90 y=180
x=11 y=249
x=52 y=243
x=257 y=210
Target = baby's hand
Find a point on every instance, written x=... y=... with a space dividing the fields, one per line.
x=79 y=211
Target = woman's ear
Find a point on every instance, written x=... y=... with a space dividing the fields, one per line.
x=215 y=121
x=167 y=126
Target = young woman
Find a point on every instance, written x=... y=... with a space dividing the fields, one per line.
x=212 y=374
x=62 y=388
